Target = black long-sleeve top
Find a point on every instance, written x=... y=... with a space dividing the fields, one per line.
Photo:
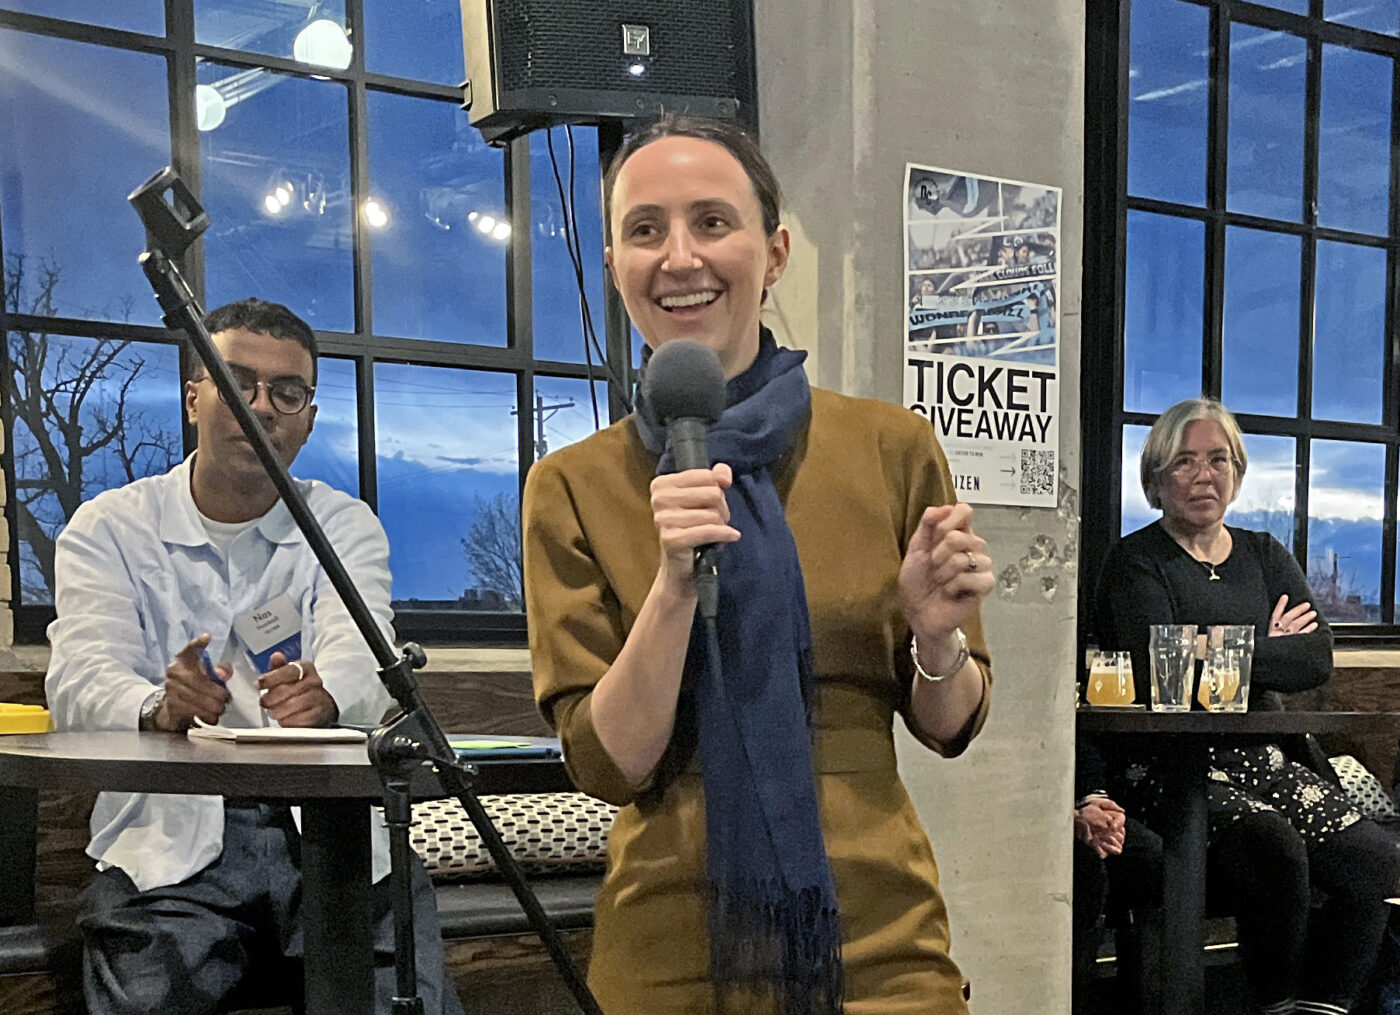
x=1149 y=579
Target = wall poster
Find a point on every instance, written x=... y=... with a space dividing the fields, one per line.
x=981 y=266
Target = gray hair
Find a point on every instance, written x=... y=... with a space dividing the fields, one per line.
x=1168 y=434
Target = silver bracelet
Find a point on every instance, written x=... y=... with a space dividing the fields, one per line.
x=958 y=664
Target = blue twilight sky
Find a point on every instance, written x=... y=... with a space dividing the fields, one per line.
x=1166 y=271
x=81 y=125
x=276 y=184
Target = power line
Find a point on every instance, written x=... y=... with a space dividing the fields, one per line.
x=541 y=413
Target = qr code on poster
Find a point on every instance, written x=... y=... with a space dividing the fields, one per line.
x=1037 y=472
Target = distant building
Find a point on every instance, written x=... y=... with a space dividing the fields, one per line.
x=475 y=600
x=1335 y=595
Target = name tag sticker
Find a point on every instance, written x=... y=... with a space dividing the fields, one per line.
x=273 y=627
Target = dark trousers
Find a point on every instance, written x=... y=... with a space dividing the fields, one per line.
x=1128 y=887
x=196 y=946
x=1263 y=872
x=1388 y=968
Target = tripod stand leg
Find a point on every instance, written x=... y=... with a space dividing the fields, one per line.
x=534 y=912
x=398 y=815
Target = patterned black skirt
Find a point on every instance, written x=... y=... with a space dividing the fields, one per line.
x=1245 y=780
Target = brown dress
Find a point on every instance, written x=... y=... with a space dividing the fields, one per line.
x=854 y=489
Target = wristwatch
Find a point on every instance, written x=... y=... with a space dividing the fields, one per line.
x=958 y=663
x=146 y=723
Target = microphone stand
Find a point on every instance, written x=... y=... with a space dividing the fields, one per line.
x=399 y=748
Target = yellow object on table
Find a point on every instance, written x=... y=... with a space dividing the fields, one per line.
x=24 y=718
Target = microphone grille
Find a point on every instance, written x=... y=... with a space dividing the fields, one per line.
x=684 y=379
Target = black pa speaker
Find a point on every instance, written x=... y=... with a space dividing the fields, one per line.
x=535 y=63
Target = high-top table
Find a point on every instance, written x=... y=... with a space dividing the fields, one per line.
x=1185 y=738
x=334 y=784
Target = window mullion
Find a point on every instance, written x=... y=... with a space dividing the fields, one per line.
x=616 y=325
x=520 y=295
x=1392 y=469
x=364 y=405
x=185 y=159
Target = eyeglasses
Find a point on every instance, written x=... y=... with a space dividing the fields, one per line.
x=1182 y=466
x=287 y=395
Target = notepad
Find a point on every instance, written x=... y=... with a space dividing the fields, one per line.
x=276 y=734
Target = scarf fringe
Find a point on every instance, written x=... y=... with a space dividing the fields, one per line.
x=779 y=944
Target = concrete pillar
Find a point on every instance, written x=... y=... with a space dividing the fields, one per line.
x=850 y=92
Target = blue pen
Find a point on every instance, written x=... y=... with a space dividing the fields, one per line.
x=209 y=670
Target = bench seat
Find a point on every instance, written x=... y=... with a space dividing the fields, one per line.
x=472 y=909
x=37 y=947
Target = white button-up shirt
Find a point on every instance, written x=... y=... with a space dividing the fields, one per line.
x=137 y=579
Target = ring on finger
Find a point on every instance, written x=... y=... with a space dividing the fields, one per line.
x=300 y=671
x=971 y=560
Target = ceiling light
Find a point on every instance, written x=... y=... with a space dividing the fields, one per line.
x=485 y=223
x=271 y=205
x=501 y=231
x=375 y=214
x=323 y=42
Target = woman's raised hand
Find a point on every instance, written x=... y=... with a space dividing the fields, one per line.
x=945 y=574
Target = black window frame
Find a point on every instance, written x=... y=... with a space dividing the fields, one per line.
x=364 y=348
x=1107 y=204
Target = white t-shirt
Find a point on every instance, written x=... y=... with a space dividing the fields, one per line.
x=225 y=648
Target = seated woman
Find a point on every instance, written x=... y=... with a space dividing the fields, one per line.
x=1276 y=829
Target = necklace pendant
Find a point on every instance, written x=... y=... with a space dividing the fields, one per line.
x=1213 y=576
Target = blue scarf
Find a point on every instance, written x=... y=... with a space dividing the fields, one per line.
x=774 y=923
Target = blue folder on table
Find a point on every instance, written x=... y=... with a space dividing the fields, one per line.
x=505 y=748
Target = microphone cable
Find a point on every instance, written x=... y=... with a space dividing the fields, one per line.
x=574 y=248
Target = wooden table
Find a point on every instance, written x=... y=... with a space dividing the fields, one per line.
x=334 y=784
x=1185 y=738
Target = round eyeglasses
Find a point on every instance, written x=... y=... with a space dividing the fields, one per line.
x=287 y=395
x=1190 y=465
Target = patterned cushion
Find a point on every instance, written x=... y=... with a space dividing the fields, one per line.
x=553 y=832
x=1365 y=790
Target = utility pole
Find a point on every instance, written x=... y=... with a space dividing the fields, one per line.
x=543 y=412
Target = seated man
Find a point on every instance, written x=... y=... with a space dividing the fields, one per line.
x=1118 y=867
x=156 y=583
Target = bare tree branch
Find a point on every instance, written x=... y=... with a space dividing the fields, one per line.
x=492 y=548
x=72 y=415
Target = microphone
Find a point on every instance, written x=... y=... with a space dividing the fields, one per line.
x=684 y=385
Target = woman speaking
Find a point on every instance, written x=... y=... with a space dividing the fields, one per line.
x=766 y=857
